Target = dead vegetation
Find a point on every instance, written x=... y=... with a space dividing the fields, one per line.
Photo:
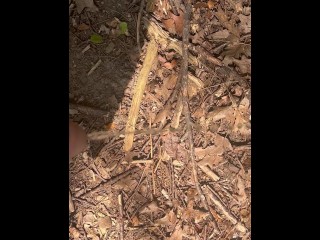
x=174 y=162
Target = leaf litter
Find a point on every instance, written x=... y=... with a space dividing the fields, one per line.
x=155 y=177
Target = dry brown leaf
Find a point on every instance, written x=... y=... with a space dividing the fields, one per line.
x=110 y=126
x=178 y=20
x=89 y=218
x=104 y=224
x=171 y=82
x=237 y=50
x=170 y=65
x=245 y=23
x=244 y=65
x=151 y=207
x=230 y=25
x=89 y=4
x=93 y=236
x=222 y=34
x=74 y=232
x=174 y=24
x=169 y=219
x=237 y=91
x=221 y=144
x=135 y=221
x=177 y=233
x=83 y=27
x=199 y=215
x=162 y=116
x=210 y=4
x=169 y=25
x=198 y=113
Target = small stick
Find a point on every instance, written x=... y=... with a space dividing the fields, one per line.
x=120 y=201
x=151 y=149
x=148 y=161
x=71 y=206
x=153 y=181
x=111 y=181
x=184 y=78
x=94 y=67
x=228 y=215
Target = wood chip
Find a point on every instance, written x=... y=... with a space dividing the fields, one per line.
x=151 y=54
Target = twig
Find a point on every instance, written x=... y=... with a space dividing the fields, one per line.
x=94 y=67
x=112 y=180
x=148 y=161
x=120 y=201
x=228 y=215
x=71 y=206
x=184 y=76
x=138 y=24
x=151 y=147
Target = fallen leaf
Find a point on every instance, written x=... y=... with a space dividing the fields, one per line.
x=96 y=38
x=104 y=224
x=89 y=218
x=210 y=4
x=245 y=23
x=237 y=50
x=169 y=219
x=111 y=126
x=89 y=4
x=174 y=24
x=177 y=233
x=74 y=232
x=169 y=25
x=222 y=34
x=170 y=65
x=83 y=27
x=230 y=25
x=135 y=221
x=151 y=207
x=178 y=20
x=161 y=116
x=93 y=236
x=244 y=65
x=123 y=28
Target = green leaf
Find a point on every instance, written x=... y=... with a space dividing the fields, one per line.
x=96 y=38
x=123 y=27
